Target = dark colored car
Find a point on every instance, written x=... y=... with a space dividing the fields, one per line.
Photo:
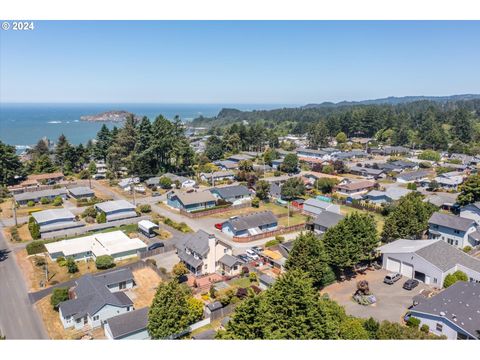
x=156 y=245
x=156 y=193
x=244 y=258
x=410 y=284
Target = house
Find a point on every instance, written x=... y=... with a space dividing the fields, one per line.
x=36 y=180
x=226 y=164
x=55 y=219
x=315 y=206
x=454 y=312
x=81 y=192
x=250 y=224
x=182 y=180
x=429 y=261
x=265 y=281
x=262 y=167
x=350 y=188
x=275 y=258
x=450 y=181
x=230 y=265
x=236 y=194
x=117 y=209
x=471 y=211
x=444 y=201
x=325 y=220
x=131 y=325
x=275 y=190
x=25 y=197
x=414 y=176
x=125 y=184
x=366 y=172
x=455 y=230
x=395 y=150
x=115 y=244
x=97 y=298
x=217 y=176
x=312 y=154
x=101 y=170
x=153 y=181
x=390 y=195
x=193 y=201
x=354 y=154
x=240 y=157
x=200 y=252
x=277 y=163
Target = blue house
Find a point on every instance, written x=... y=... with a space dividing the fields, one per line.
x=191 y=201
x=250 y=224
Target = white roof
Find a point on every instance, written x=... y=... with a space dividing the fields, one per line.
x=110 y=243
x=405 y=246
x=114 y=205
x=147 y=224
x=52 y=214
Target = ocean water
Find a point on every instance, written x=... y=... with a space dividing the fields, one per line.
x=23 y=125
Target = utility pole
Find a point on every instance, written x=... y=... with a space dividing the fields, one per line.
x=288 y=214
x=132 y=186
x=14 y=208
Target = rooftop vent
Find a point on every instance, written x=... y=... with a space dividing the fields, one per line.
x=442 y=313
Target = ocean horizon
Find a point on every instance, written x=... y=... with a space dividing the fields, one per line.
x=23 y=124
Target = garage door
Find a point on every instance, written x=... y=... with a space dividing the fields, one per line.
x=407 y=270
x=393 y=265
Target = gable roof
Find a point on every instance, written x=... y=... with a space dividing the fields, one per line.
x=317 y=203
x=52 y=214
x=356 y=185
x=414 y=175
x=115 y=205
x=30 y=195
x=128 y=323
x=195 y=197
x=459 y=304
x=231 y=191
x=328 y=219
x=451 y=221
x=92 y=294
x=252 y=220
x=229 y=260
x=81 y=190
x=197 y=242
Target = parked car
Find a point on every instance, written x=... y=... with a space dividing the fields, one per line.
x=244 y=258
x=252 y=254
x=218 y=226
x=392 y=278
x=156 y=193
x=410 y=284
x=407 y=316
x=257 y=249
x=156 y=245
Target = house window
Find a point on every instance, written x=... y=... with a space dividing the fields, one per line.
x=205 y=267
x=439 y=327
x=225 y=250
x=434 y=280
x=122 y=285
x=456 y=242
x=96 y=317
x=456 y=231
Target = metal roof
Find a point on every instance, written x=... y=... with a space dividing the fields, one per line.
x=114 y=205
x=32 y=195
x=80 y=191
x=52 y=215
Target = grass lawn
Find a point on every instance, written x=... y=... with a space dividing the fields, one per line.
x=380 y=220
x=274 y=208
x=242 y=282
x=295 y=219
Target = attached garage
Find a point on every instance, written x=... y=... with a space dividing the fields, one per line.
x=407 y=270
x=393 y=265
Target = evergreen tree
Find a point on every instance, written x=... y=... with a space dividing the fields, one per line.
x=470 y=190
x=318 y=135
x=290 y=163
x=10 y=165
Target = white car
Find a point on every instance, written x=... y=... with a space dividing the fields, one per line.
x=251 y=254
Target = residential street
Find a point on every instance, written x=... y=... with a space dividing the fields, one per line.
x=18 y=318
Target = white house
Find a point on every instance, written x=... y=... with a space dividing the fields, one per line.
x=115 y=243
x=125 y=184
x=217 y=176
x=200 y=252
x=453 y=313
x=97 y=298
x=455 y=230
x=428 y=261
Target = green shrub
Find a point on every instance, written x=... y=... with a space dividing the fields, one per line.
x=252 y=276
x=329 y=277
x=280 y=238
x=57 y=201
x=104 y=262
x=101 y=217
x=256 y=202
x=165 y=182
x=58 y=295
x=467 y=249
x=89 y=211
x=412 y=186
x=424 y=328
x=61 y=261
x=34 y=228
x=277 y=173
x=71 y=265
x=413 y=322
x=36 y=247
x=272 y=243
x=451 y=279
x=44 y=201
x=31 y=203
x=145 y=208
x=84 y=174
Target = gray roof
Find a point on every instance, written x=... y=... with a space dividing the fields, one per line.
x=311 y=151
x=324 y=205
x=92 y=293
x=451 y=221
x=214 y=306
x=52 y=214
x=328 y=219
x=275 y=190
x=205 y=335
x=440 y=199
x=459 y=304
x=446 y=257
x=414 y=175
x=195 y=197
x=240 y=157
x=475 y=235
x=114 y=205
x=229 y=260
x=32 y=195
x=196 y=242
x=253 y=220
x=266 y=279
x=218 y=174
x=288 y=245
x=81 y=191
x=128 y=323
x=153 y=180
x=189 y=259
x=227 y=164
x=368 y=171
x=231 y=191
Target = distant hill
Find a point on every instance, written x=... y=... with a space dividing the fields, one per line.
x=393 y=100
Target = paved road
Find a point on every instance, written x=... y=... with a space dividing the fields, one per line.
x=18 y=318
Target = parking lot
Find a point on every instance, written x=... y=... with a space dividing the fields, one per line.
x=392 y=300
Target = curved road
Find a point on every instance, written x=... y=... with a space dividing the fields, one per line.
x=18 y=317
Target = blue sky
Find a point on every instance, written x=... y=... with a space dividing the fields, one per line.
x=237 y=62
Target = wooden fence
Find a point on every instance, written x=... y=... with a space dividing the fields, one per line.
x=359 y=205
x=280 y=231
x=197 y=214
x=158 y=251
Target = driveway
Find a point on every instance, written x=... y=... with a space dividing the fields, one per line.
x=166 y=260
x=392 y=300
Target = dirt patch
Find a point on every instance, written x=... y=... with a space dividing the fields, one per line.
x=6 y=208
x=147 y=281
